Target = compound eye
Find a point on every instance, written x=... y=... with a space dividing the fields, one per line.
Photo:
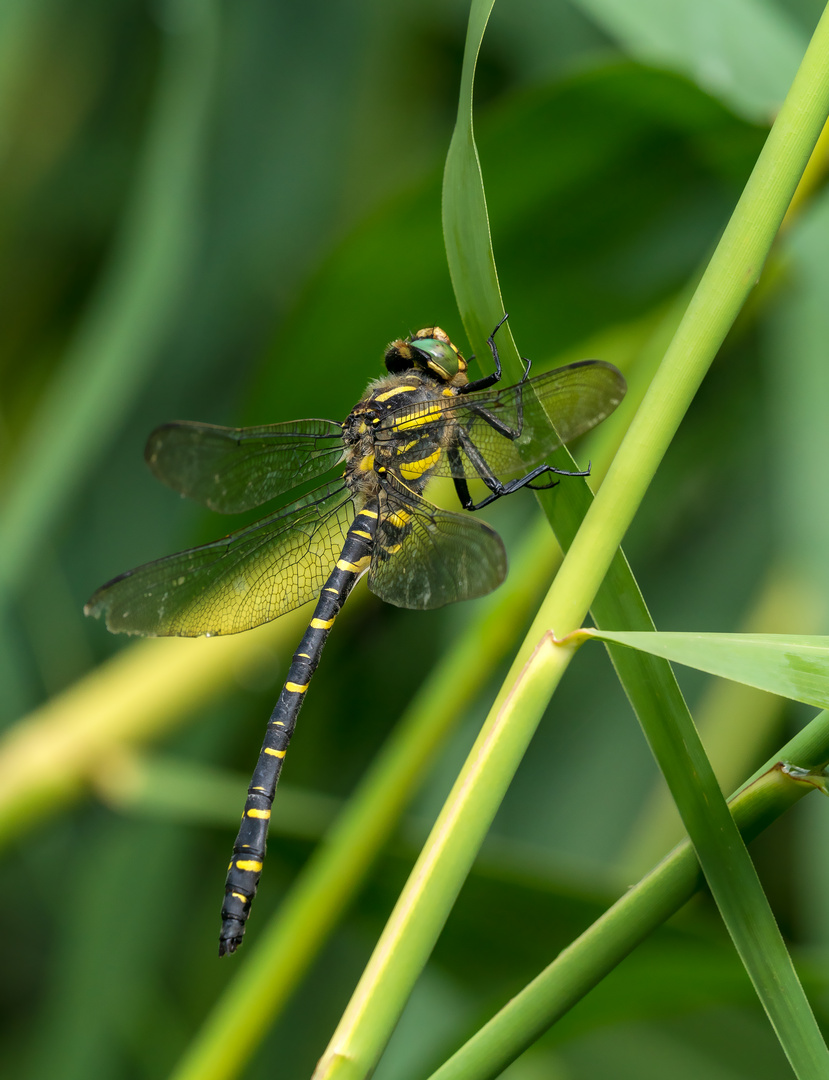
x=441 y=357
x=429 y=349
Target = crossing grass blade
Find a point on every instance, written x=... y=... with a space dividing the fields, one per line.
x=793 y=666
x=659 y=894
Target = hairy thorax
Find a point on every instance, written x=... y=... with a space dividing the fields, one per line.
x=393 y=429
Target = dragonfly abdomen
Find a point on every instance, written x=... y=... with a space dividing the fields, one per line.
x=249 y=849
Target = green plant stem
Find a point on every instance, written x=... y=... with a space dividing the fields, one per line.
x=48 y=759
x=735 y=722
x=658 y=896
x=439 y=873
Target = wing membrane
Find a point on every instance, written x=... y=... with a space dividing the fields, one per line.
x=434 y=557
x=235 y=469
x=543 y=413
x=250 y=577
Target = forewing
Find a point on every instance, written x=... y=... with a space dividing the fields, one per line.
x=515 y=428
x=248 y=578
x=425 y=557
x=234 y=469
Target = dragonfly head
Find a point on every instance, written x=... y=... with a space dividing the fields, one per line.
x=430 y=350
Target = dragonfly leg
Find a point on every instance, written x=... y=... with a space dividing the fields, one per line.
x=499 y=489
x=558 y=472
x=462 y=489
x=496 y=486
x=488 y=380
x=491 y=380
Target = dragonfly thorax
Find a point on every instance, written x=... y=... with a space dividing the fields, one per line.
x=397 y=430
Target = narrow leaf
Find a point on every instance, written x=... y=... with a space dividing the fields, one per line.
x=793 y=666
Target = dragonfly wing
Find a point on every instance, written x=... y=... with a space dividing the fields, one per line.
x=515 y=428
x=425 y=557
x=250 y=577
x=235 y=469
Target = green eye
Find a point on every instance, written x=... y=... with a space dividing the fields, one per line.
x=443 y=357
x=439 y=355
x=440 y=358
x=429 y=349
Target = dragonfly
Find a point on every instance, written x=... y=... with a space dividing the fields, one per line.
x=423 y=419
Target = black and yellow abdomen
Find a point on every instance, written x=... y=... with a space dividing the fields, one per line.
x=249 y=849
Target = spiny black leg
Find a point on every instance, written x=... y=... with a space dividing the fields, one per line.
x=462 y=488
x=560 y=472
x=487 y=380
x=493 y=348
x=545 y=487
x=499 y=490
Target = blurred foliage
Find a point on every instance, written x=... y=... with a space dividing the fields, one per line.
x=289 y=169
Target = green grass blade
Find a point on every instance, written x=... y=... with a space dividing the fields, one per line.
x=658 y=896
x=736 y=723
x=793 y=666
x=465 y=219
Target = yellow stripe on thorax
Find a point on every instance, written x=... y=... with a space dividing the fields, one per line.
x=393 y=392
x=411 y=470
x=418 y=419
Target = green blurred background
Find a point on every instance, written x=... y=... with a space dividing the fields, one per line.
x=223 y=212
